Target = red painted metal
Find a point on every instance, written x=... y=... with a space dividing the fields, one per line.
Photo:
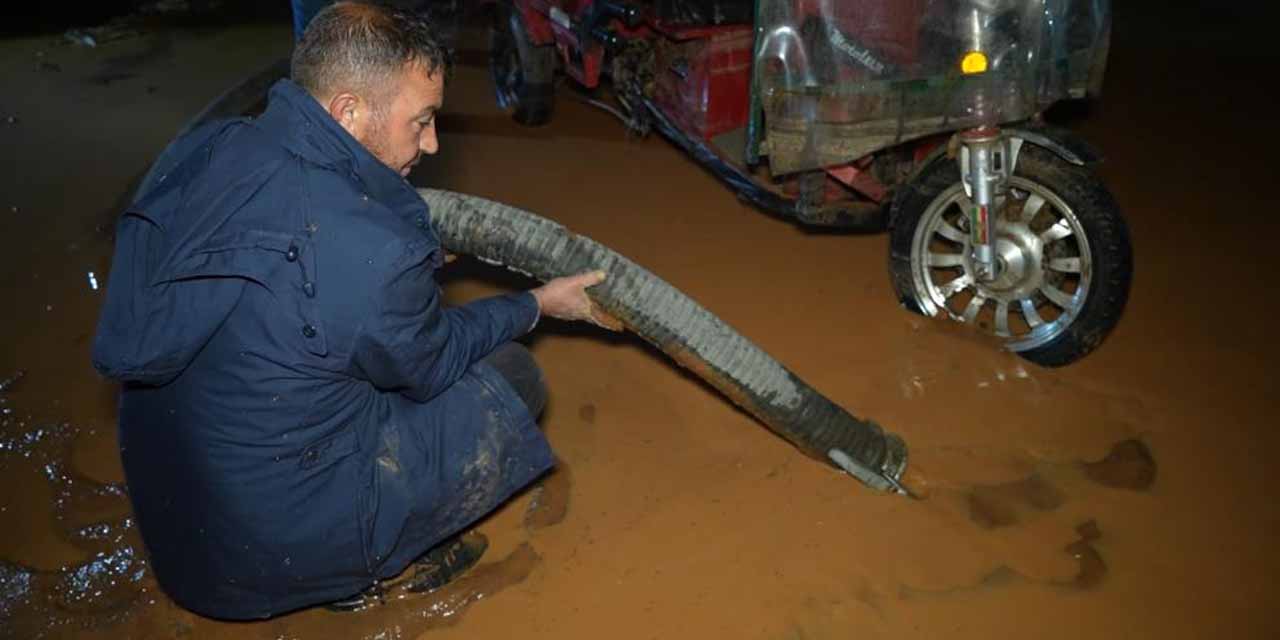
x=537 y=22
x=686 y=32
x=583 y=64
x=710 y=99
x=857 y=178
x=703 y=78
x=925 y=147
x=704 y=72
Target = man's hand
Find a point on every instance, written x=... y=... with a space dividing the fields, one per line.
x=566 y=299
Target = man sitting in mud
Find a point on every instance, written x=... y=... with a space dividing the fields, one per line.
x=302 y=417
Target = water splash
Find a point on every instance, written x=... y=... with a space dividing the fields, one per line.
x=403 y=615
x=8 y=383
x=109 y=592
x=91 y=516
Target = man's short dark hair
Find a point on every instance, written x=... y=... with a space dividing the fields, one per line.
x=359 y=45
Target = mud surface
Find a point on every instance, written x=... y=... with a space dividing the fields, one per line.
x=1125 y=496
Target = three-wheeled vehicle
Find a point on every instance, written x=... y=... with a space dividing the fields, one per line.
x=920 y=116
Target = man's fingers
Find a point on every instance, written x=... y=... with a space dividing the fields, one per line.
x=601 y=319
x=590 y=278
x=566 y=298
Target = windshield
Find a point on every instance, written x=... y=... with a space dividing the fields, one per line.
x=838 y=79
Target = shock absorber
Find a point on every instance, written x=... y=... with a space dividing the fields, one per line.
x=986 y=155
x=987 y=159
x=983 y=169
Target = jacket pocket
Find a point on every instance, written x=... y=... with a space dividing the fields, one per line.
x=282 y=263
x=252 y=255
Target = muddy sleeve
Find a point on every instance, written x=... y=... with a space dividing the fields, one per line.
x=413 y=344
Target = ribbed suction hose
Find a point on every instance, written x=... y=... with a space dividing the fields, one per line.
x=647 y=305
x=695 y=338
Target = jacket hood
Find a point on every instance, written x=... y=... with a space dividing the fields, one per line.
x=172 y=279
x=223 y=206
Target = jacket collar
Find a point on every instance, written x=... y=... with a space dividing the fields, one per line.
x=302 y=125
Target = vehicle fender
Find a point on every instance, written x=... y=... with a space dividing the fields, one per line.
x=1062 y=142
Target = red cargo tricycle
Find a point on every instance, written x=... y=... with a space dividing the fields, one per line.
x=922 y=117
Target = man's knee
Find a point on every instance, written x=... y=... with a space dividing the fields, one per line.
x=521 y=371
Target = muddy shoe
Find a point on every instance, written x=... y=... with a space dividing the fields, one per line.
x=446 y=561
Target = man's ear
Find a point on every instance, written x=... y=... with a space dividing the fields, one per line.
x=347 y=109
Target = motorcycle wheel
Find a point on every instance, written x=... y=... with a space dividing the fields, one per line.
x=1063 y=247
x=523 y=74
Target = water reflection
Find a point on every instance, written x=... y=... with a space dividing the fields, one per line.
x=91 y=516
x=107 y=591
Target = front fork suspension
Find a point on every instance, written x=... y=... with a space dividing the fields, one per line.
x=987 y=159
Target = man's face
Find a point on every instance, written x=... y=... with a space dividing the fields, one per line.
x=403 y=127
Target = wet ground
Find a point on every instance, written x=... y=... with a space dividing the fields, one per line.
x=1128 y=495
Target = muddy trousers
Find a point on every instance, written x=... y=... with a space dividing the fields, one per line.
x=521 y=371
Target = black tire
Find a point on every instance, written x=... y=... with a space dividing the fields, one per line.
x=523 y=74
x=1109 y=265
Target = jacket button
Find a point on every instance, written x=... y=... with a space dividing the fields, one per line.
x=420 y=221
x=309 y=288
x=292 y=254
x=308 y=331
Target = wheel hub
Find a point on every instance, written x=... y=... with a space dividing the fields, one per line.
x=1042 y=260
x=1019 y=272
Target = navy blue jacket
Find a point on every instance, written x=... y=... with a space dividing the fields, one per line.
x=301 y=414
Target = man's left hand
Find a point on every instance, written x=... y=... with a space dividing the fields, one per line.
x=566 y=299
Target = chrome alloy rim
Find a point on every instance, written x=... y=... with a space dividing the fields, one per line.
x=1045 y=265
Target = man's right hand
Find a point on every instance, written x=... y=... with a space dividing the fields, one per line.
x=566 y=299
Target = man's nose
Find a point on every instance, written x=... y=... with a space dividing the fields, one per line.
x=428 y=143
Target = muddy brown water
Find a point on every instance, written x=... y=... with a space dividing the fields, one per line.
x=1128 y=495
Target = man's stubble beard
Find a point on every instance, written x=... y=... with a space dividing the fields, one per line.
x=375 y=139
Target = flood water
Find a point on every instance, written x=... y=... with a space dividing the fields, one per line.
x=1128 y=495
